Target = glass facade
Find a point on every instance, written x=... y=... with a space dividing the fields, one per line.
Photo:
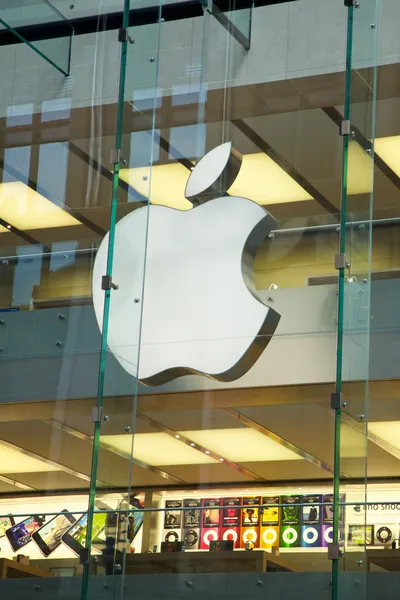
x=199 y=300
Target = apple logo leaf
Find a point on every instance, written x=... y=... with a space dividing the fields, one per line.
x=186 y=301
x=214 y=174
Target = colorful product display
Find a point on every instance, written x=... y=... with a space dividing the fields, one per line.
x=289 y=521
x=250 y=523
x=172 y=521
x=191 y=523
x=211 y=521
x=231 y=520
x=311 y=522
x=269 y=530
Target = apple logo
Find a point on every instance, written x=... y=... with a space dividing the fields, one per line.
x=186 y=302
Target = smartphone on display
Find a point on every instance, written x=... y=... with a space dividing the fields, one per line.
x=48 y=537
x=5 y=523
x=21 y=534
x=75 y=537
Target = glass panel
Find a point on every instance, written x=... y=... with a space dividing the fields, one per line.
x=355 y=291
x=235 y=17
x=115 y=466
x=41 y=27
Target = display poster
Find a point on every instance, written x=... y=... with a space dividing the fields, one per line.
x=172 y=521
x=360 y=535
x=210 y=530
x=311 y=516
x=327 y=519
x=231 y=520
x=191 y=523
x=290 y=522
x=269 y=530
x=250 y=522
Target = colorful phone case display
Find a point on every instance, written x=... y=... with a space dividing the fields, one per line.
x=269 y=530
x=311 y=522
x=290 y=522
x=231 y=520
x=211 y=519
x=250 y=523
x=191 y=523
x=172 y=521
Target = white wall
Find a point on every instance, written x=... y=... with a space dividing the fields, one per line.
x=301 y=38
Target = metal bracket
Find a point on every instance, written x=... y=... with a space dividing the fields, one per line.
x=107 y=283
x=123 y=36
x=96 y=414
x=345 y=128
x=84 y=556
x=341 y=262
x=336 y=400
x=116 y=158
x=333 y=551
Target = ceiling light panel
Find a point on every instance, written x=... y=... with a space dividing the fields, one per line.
x=241 y=445
x=26 y=209
x=157 y=449
x=389 y=431
x=388 y=149
x=260 y=179
x=13 y=460
x=164 y=184
x=359 y=170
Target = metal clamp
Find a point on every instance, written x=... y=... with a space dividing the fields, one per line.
x=116 y=158
x=333 y=551
x=84 y=556
x=107 y=283
x=345 y=128
x=337 y=400
x=96 y=414
x=341 y=262
x=123 y=36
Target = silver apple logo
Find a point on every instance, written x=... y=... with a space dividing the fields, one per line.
x=186 y=301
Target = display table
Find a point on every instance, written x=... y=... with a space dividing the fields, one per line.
x=389 y=560
x=11 y=569
x=256 y=561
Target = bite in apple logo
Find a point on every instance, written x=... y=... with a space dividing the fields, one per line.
x=186 y=302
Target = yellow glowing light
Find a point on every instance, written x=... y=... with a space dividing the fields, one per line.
x=242 y=445
x=14 y=461
x=388 y=148
x=26 y=209
x=157 y=449
x=163 y=184
x=262 y=180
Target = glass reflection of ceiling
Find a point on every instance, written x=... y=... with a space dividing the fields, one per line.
x=26 y=209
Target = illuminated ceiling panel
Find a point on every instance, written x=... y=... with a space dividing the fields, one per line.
x=262 y=180
x=13 y=460
x=157 y=449
x=388 y=148
x=166 y=184
x=360 y=170
x=389 y=431
x=26 y=209
x=353 y=443
x=241 y=445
